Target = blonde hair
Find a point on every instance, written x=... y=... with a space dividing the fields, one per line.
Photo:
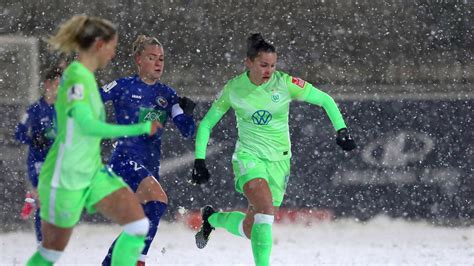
x=142 y=41
x=80 y=32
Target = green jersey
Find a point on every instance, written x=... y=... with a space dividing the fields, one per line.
x=75 y=157
x=262 y=114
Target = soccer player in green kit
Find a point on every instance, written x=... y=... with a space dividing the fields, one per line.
x=73 y=176
x=260 y=98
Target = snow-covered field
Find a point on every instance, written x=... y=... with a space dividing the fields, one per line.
x=381 y=241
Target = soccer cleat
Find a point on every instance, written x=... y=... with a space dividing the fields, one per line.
x=202 y=237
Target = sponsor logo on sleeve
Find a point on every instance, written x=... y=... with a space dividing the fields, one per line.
x=109 y=86
x=299 y=82
x=76 y=93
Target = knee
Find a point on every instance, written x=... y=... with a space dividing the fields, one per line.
x=138 y=227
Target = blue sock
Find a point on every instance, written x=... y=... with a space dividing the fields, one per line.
x=39 y=236
x=153 y=211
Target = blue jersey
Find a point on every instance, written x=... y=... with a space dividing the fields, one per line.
x=135 y=101
x=37 y=124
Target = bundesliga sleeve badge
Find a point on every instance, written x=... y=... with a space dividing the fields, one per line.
x=298 y=82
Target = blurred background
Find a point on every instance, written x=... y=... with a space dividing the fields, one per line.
x=401 y=72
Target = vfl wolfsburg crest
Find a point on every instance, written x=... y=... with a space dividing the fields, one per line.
x=261 y=117
x=276 y=97
x=149 y=114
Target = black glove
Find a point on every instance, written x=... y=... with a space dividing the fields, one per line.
x=40 y=142
x=187 y=105
x=345 y=140
x=200 y=173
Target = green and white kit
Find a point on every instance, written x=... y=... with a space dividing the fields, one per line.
x=73 y=176
x=263 y=148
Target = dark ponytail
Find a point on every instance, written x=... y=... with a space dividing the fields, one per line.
x=256 y=44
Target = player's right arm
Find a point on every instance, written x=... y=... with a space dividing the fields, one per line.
x=80 y=109
x=218 y=109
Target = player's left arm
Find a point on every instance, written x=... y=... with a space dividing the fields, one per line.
x=182 y=114
x=305 y=91
x=302 y=90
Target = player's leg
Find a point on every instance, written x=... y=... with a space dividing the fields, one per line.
x=111 y=197
x=34 y=169
x=149 y=192
x=246 y=167
x=259 y=196
x=154 y=201
x=54 y=242
x=61 y=210
x=39 y=236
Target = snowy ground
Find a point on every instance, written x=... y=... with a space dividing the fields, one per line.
x=381 y=241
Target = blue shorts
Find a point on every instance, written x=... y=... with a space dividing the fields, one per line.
x=132 y=169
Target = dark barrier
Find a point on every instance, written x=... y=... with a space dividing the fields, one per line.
x=414 y=160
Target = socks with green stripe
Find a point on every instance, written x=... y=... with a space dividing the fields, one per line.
x=38 y=260
x=44 y=257
x=261 y=239
x=231 y=221
x=127 y=249
x=130 y=243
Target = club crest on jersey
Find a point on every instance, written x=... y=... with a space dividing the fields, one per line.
x=161 y=101
x=261 y=117
x=299 y=82
x=275 y=97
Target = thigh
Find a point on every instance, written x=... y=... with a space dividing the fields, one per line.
x=61 y=207
x=278 y=173
x=104 y=183
x=151 y=190
x=132 y=170
x=247 y=167
x=259 y=196
x=121 y=206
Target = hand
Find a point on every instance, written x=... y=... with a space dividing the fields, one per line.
x=345 y=140
x=187 y=105
x=28 y=206
x=155 y=125
x=40 y=142
x=200 y=173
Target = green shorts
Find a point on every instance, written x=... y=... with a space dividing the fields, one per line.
x=63 y=207
x=276 y=173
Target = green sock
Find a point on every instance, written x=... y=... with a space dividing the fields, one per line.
x=229 y=220
x=38 y=260
x=127 y=249
x=261 y=239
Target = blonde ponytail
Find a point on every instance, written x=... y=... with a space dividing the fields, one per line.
x=80 y=32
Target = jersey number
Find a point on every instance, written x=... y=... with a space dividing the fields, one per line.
x=135 y=165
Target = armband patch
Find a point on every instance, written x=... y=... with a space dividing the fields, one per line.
x=297 y=81
x=109 y=86
x=75 y=93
